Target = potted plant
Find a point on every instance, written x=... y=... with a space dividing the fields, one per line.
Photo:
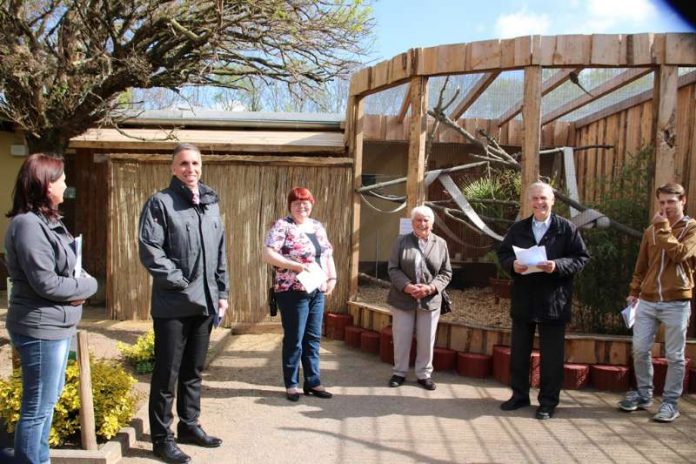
x=501 y=284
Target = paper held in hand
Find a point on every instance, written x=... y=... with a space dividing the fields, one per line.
x=530 y=257
x=312 y=278
x=629 y=315
x=77 y=248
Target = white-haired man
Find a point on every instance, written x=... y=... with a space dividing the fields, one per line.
x=542 y=299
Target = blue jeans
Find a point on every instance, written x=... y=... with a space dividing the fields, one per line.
x=675 y=316
x=43 y=376
x=301 y=314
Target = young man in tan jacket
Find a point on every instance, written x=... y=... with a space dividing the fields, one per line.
x=662 y=284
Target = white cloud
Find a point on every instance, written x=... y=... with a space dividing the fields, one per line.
x=609 y=12
x=521 y=23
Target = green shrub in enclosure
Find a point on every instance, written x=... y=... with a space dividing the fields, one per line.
x=500 y=184
x=602 y=287
x=141 y=355
x=114 y=402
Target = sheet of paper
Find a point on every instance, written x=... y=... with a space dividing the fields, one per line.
x=530 y=257
x=405 y=226
x=629 y=315
x=78 y=253
x=312 y=278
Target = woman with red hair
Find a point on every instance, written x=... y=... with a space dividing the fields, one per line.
x=295 y=244
x=46 y=298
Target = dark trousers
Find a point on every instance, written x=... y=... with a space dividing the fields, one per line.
x=181 y=345
x=552 y=354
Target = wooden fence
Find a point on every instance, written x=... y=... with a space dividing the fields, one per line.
x=253 y=192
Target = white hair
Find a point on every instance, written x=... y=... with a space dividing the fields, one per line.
x=424 y=211
x=541 y=186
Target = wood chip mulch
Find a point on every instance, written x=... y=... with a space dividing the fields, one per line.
x=475 y=306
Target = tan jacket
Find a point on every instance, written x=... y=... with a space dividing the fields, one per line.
x=666 y=260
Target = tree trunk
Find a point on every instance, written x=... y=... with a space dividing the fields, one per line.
x=52 y=141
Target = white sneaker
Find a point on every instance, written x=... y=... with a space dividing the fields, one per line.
x=667 y=413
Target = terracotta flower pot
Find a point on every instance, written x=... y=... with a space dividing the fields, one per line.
x=502 y=288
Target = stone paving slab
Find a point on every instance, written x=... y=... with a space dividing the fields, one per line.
x=368 y=422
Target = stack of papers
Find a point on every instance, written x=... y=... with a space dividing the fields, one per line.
x=629 y=315
x=530 y=257
x=312 y=278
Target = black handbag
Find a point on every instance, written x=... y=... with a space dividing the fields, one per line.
x=446 y=306
x=272 y=303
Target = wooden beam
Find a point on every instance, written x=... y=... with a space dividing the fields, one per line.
x=87 y=423
x=665 y=122
x=609 y=86
x=684 y=80
x=415 y=186
x=549 y=85
x=213 y=140
x=563 y=51
x=405 y=105
x=358 y=118
x=242 y=159
x=478 y=88
x=531 y=116
x=691 y=192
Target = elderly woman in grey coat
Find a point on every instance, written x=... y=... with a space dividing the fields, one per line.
x=419 y=269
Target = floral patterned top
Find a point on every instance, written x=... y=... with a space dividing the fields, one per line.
x=286 y=238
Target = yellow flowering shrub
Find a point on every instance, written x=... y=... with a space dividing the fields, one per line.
x=114 y=402
x=141 y=354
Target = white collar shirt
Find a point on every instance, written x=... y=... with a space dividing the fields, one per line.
x=539 y=228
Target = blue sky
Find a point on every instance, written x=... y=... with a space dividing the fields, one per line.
x=404 y=24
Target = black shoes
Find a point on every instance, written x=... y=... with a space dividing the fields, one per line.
x=396 y=381
x=294 y=397
x=167 y=451
x=514 y=403
x=318 y=393
x=544 y=412
x=428 y=383
x=196 y=436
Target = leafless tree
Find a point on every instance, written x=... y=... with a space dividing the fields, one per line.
x=63 y=63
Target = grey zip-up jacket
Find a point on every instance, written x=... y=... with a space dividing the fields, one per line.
x=182 y=246
x=41 y=263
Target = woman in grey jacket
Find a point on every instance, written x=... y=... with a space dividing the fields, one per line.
x=46 y=298
x=419 y=269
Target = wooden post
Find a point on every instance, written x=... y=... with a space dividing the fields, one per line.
x=664 y=130
x=415 y=187
x=87 y=424
x=357 y=117
x=531 y=119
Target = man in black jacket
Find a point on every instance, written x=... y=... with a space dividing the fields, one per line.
x=541 y=299
x=182 y=245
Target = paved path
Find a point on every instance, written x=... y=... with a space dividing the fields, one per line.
x=368 y=422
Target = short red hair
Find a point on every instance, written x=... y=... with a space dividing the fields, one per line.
x=300 y=193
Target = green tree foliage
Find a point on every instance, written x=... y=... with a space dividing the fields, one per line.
x=64 y=63
x=602 y=287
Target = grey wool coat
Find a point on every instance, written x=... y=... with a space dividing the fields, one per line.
x=182 y=246
x=435 y=266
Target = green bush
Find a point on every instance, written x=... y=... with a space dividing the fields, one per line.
x=114 y=402
x=498 y=184
x=140 y=355
x=602 y=287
